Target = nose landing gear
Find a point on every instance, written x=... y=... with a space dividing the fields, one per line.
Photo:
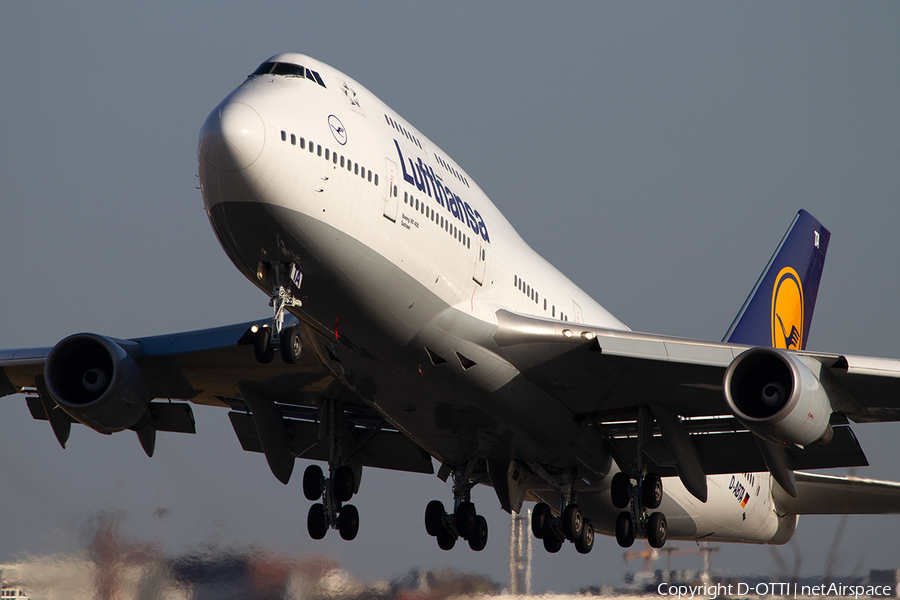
x=285 y=278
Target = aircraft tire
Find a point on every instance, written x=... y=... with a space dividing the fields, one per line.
x=264 y=354
x=573 y=522
x=620 y=490
x=624 y=529
x=313 y=482
x=465 y=519
x=540 y=520
x=479 y=536
x=445 y=539
x=585 y=543
x=348 y=522
x=434 y=517
x=656 y=530
x=344 y=482
x=316 y=523
x=652 y=491
x=552 y=544
x=291 y=346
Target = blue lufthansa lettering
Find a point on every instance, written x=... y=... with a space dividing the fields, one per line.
x=470 y=218
x=422 y=176
x=423 y=171
x=438 y=186
x=406 y=176
x=482 y=228
x=451 y=203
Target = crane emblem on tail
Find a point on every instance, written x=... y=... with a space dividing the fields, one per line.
x=787 y=310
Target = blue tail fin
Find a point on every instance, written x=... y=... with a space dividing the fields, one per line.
x=779 y=310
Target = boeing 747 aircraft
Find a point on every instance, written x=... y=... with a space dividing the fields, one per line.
x=411 y=327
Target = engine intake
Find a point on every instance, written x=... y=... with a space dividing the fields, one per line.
x=777 y=397
x=96 y=381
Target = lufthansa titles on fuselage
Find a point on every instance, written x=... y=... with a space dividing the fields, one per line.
x=423 y=177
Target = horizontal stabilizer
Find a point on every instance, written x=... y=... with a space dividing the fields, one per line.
x=829 y=495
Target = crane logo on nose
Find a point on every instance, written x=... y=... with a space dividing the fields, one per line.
x=337 y=129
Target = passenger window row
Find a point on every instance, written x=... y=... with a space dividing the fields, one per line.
x=328 y=155
x=438 y=219
x=452 y=171
x=402 y=130
x=535 y=297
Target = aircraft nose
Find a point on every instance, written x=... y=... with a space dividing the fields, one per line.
x=232 y=137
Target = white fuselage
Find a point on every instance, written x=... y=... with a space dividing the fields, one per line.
x=401 y=251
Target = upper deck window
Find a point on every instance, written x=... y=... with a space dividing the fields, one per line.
x=288 y=70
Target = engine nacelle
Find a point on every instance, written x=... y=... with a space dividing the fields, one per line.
x=778 y=397
x=97 y=382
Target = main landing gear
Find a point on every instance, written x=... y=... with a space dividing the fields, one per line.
x=334 y=492
x=463 y=522
x=570 y=525
x=641 y=492
x=644 y=496
x=269 y=339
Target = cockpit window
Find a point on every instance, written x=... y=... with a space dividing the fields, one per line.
x=288 y=70
x=263 y=69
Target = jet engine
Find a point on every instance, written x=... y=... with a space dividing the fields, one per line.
x=96 y=381
x=777 y=397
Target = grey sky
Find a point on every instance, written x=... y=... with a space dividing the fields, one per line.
x=654 y=152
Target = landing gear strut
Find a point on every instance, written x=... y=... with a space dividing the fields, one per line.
x=644 y=492
x=331 y=494
x=463 y=522
x=287 y=340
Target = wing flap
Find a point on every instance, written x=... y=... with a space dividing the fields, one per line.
x=829 y=495
x=737 y=452
x=386 y=450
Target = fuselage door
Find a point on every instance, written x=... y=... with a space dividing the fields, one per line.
x=480 y=262
x=579 y=318
x=390 y=191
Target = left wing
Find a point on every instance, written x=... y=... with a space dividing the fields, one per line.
x=275 y=408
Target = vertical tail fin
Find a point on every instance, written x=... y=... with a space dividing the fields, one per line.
x=779 y=310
